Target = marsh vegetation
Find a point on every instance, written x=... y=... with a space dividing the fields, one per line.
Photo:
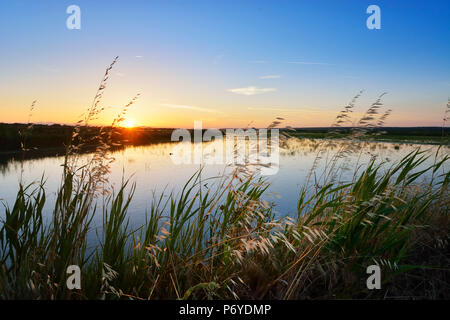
x=228 y=242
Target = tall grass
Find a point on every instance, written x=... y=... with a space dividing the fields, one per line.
x=193 y=246
x=227 y=242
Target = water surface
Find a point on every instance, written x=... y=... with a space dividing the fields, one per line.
x=153 y=171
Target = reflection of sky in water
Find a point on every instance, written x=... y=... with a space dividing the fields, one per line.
x=152 y=169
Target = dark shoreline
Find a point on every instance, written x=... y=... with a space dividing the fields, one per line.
x=51 y=140
x=39 y=136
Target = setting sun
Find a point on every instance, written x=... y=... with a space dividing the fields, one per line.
x=129 y=123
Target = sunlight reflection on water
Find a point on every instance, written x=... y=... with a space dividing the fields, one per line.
x=152 y=169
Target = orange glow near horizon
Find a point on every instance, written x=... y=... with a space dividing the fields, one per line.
x=129 y=123
x=184 y=74
x=155 y=112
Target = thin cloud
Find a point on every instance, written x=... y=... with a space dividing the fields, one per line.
x=271 y=109
x=272 y=76
x=258 y=61
x=218 y=58
x=250 y=91
x=310 y=63
x=139 y=57
x=181 y=106
x=48 y=68
x=277 y=109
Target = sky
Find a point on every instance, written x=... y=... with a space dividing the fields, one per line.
x=227 y=63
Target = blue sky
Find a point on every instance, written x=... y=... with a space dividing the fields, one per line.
x=226 y=62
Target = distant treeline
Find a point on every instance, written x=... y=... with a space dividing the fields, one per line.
x=395 y=131
x=16 y=137
x=433 y=135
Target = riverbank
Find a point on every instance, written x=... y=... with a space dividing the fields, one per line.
x=54 y=138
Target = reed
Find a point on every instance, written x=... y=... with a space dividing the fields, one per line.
x=226 y=242
x=193 y=246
